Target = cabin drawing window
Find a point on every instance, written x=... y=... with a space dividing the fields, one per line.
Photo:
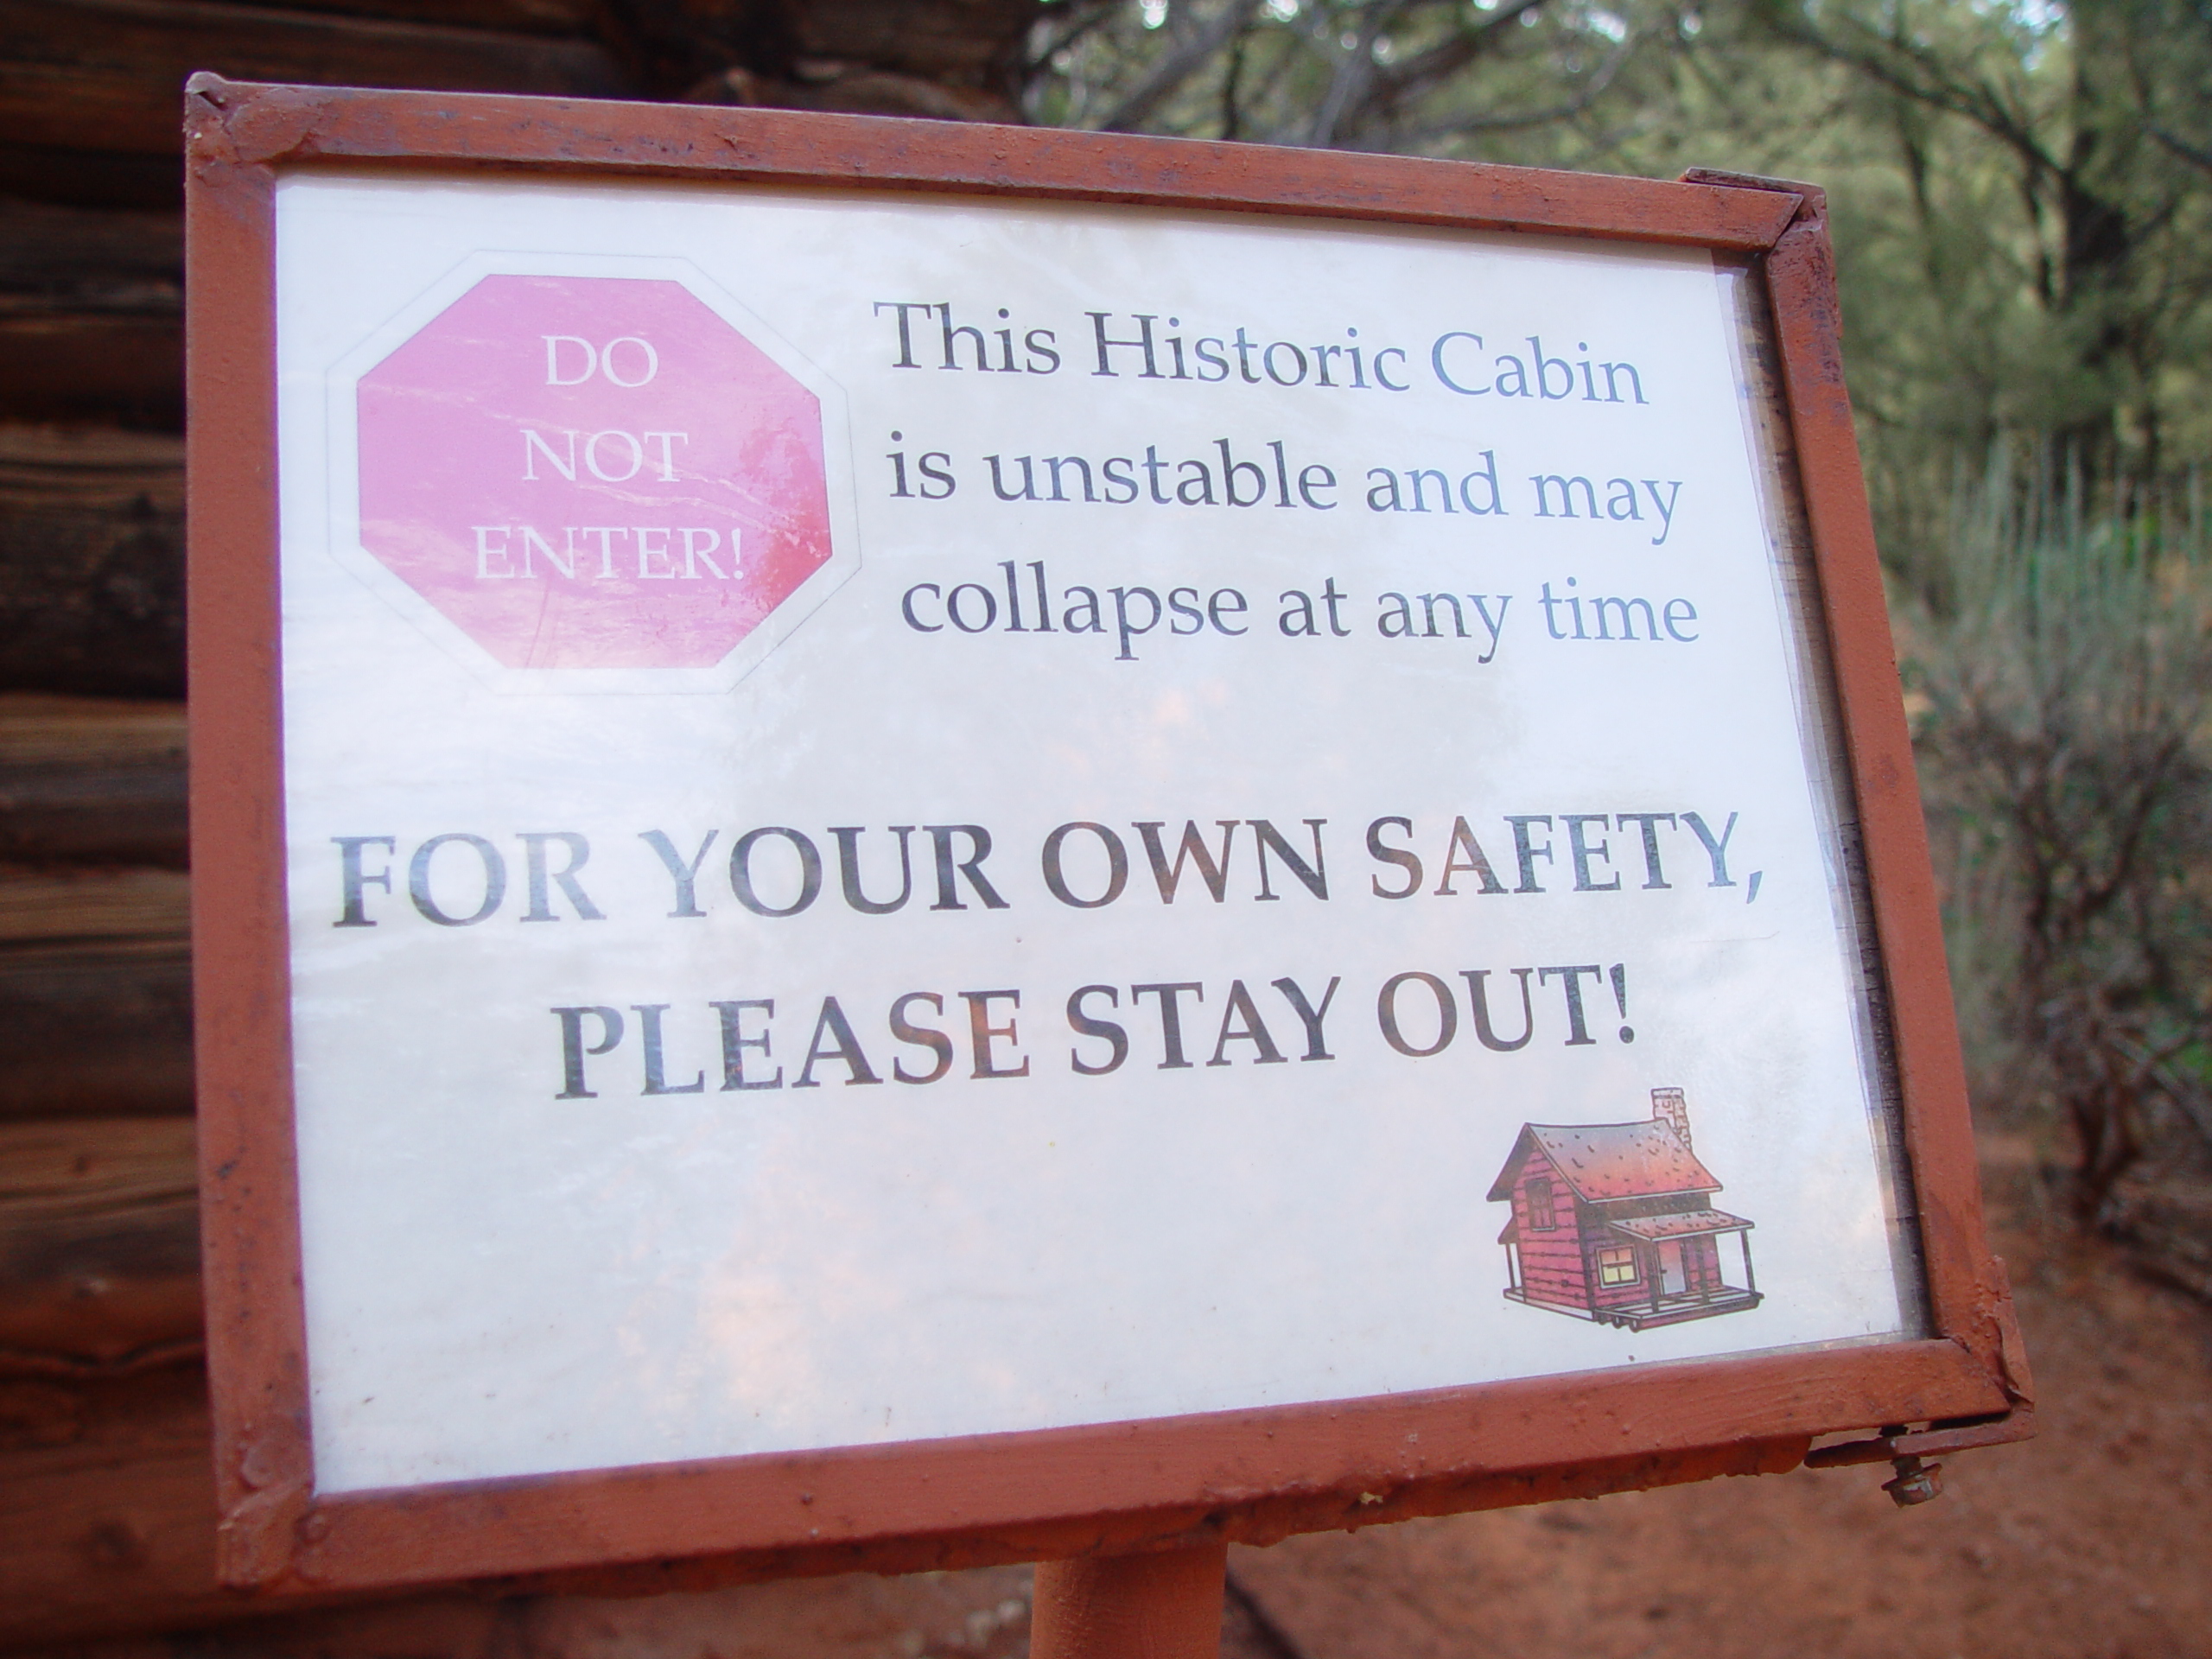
x=1541 y=1217
x=1616 y=1265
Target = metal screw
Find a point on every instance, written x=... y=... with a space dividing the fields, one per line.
x=1916 y=1482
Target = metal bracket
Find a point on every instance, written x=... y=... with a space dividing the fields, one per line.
x=1951 y=1434
x=1903 y=1448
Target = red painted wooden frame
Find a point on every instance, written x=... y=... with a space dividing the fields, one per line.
x=1252 y=1476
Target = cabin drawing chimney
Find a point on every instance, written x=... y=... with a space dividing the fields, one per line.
x=1669 y=1107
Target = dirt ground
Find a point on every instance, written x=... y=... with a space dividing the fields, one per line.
x=2093 y=1541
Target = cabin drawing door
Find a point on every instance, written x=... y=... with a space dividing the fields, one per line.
x=1674 y=1280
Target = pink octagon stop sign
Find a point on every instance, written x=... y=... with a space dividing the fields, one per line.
x=592 y=472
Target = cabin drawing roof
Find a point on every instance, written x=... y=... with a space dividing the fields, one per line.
x=1606 y=1161
x=1680 y=1224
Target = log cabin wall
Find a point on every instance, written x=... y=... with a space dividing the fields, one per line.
x=106 y=1498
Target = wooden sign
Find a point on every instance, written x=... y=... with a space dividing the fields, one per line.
x=919 y=844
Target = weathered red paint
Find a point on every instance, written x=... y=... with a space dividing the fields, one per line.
x=1161 y=1604
x=1253 y=1476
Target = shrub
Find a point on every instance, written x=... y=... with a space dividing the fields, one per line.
x=2061 y=697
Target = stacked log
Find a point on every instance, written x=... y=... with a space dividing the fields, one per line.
x=106 y=1499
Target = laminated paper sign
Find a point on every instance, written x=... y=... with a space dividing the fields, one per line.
x=911 y=818
x=908 y=819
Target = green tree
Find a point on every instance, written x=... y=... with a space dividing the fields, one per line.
x=2055 y=163
x=1412 y=75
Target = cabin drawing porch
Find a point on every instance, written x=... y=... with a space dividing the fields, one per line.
x=1614 y=1222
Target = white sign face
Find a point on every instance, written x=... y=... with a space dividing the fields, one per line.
x=915 y=817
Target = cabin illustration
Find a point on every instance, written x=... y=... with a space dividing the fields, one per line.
x=1614 y=1221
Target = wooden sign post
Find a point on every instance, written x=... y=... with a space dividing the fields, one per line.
x=917 y=845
